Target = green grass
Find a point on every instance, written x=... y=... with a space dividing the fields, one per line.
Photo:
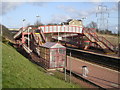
x=19 y=72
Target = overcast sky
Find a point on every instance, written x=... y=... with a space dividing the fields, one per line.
x=54 y=12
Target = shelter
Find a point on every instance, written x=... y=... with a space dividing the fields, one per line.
x=53 y=55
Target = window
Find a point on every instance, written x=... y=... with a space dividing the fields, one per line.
x=61 y=51
x=53 y=58
x=53 y=51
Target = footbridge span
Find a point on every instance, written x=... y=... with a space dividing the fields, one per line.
x=89 y=33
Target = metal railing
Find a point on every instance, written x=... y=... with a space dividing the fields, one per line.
x=61 y=28
x=90 y=35
x=99 y=38
x=105 y=41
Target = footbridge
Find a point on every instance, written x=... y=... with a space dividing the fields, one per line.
x=62 y=29
x=89 y=33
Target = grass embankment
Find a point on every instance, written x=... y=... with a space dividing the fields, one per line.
x=19 y=72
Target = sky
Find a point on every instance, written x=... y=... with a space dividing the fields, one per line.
x=13 y=13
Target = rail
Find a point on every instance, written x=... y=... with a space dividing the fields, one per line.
x=23 y=29
x=90 y=35
x=101 y=59
x=27 y=49
x=39 y=37
x=105 y=41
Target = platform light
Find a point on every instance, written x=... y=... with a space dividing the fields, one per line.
x=99 y=7
x=37 y=18
x=29 y=37
x=30 y=28
x=23 y=19
x=23 y=24
x=84 y=18
x=38 y=27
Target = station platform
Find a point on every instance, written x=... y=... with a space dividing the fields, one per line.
x=100 y=76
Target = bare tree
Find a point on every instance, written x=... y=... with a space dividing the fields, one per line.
x=92 y=25
x=38 y=23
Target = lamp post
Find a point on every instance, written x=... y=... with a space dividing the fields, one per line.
x=83 y=19
x=58 y=35
x=70 y=63
x=65 y=67
x=29 y=36
x=65 y=59
x=118 y=41
x=23 y=25
x=117 y=28
x=37 y=19
x=63 y=26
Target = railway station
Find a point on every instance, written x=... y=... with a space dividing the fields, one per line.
x=60 y=45
x=81 y=42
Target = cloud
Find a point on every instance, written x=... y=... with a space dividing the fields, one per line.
x=67 y=9
x=80 y=13
x=8 y=6
x=60 y=0
x=59 y=18
x=114 y=8
x=77 y=13
x=38 y=3
x=97 y=1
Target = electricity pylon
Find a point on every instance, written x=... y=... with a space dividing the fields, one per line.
x=103 y=15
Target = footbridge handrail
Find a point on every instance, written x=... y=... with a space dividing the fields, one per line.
x=61 y=28
x=100 y=38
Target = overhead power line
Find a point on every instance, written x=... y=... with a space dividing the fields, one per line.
x=102 y=17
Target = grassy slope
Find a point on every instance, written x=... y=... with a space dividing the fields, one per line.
x=19 y=72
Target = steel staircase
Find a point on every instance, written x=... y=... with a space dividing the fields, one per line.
x=39 y=38
x=26 y=48
x=99 y=40
x=20 y=32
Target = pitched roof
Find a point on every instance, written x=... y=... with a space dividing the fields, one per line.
x=52 y=45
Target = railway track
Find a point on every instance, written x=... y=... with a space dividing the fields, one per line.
x=103 y=60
